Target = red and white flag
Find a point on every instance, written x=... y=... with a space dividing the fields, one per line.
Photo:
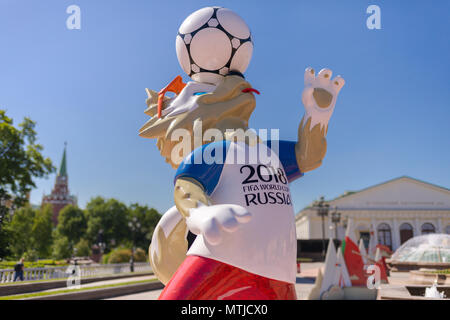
x=342 y=278
x=352 y=257
x=379 y=260
x=329 y=273
x=362 y=250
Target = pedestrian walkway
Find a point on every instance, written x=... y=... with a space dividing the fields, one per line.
x=110 y=282
x=149 y=295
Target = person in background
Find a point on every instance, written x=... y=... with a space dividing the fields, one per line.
x=18 y=268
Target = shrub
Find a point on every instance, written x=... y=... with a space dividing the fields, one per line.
x=31 y=255
x=37 y=264
x=119 y=255
x=140 y=255
x=83 y=249
x=105 y=257
x=122 y=255
x=443 y=271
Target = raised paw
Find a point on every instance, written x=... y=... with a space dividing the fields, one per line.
x=320 y=93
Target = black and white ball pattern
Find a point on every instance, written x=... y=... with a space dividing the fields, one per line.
x=211 y=42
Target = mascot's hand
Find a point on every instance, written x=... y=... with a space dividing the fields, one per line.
x=320 y=94
x=213 y=221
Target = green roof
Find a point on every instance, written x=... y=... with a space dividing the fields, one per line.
x=63 y=167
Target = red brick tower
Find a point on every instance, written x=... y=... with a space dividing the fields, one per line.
x=60 y=197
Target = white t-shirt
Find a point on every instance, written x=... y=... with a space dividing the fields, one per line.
x=267 y=244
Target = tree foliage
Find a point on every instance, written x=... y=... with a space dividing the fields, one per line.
x=108 y=222
x=148 y=219
x=41 y=232
x=62 y=248
x=5 y=240
x=20 y=162
x=31 y=232
x=72 y=223
x=82 y=248
x=20 y=159
x=20 y=231
x=107 y=219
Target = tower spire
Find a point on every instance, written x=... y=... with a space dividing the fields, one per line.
x=63 y=167
x=60 y=196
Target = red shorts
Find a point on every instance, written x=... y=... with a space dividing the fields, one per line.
x=200 y=278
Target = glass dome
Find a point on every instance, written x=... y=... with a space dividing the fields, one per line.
x=426 y=248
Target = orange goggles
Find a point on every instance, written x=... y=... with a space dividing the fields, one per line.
x=175 y=86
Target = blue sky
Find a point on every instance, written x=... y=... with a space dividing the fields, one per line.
x=86 y=87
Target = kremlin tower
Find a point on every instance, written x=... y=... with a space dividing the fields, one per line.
x=60 y=197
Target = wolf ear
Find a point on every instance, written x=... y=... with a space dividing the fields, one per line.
x=152 y=97
x=152 y=102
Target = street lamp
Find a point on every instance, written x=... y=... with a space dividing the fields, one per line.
x=322 y=208
x=101 y=243
x=335 y=218
x=345 y=222
x=75 y=250
x=134 y=227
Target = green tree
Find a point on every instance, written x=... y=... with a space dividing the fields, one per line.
x=108 y=218
x=148 y=219
x=83 y=249
x=5 y=236
x=72 y=223
x=20 y=161
x=20 y=228
x=41 y=232
x=62 y=248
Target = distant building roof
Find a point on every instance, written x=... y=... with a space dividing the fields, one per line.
x=349 y=193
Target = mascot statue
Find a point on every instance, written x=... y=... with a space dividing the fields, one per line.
x=231 y=188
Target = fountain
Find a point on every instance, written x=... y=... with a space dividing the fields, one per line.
x=433 y=292
x=430 y=251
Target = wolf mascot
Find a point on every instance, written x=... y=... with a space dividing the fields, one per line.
x=232 y=190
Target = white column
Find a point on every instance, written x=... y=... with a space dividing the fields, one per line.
x=329 y=226
x=416 y=227
x=395 y=235
x=439 y=226
x=374 y=223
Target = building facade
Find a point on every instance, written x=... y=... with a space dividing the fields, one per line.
x=60 y=196
x=395 y=211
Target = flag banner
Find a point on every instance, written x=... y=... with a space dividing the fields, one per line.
x=329 y=274
x=362 y=250
x=342 y=276
x=354 y=262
